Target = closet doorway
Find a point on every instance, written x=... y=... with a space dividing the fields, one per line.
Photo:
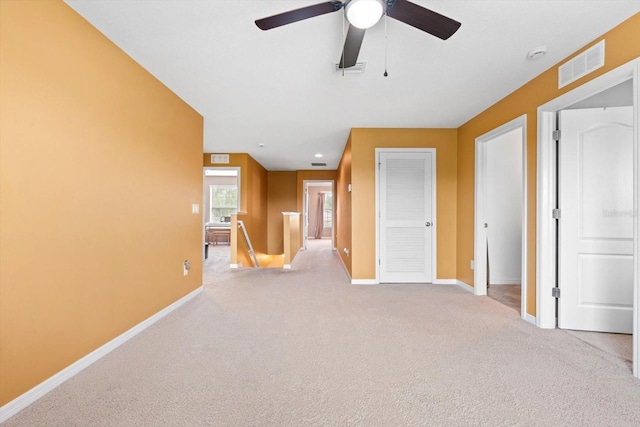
x=318 y=215
x=500 y=215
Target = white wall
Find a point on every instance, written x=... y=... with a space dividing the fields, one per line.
x=504 y=208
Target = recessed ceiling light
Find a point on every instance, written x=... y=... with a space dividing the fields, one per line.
x=318 y=155
x=537 y=52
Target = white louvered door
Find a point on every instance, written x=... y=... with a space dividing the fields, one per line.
x=406 y=217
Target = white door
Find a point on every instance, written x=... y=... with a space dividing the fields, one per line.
x=406 y=217
x=596 y=220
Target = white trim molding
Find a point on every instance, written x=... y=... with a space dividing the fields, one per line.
x=546 y=193
x=480 y=233
x=364 y=282
x=530 y=319
x=21 y=402
x=465 y=286
x=445 y=282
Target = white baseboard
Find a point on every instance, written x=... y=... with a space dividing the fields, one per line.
x=498 y=282
x=19 y=403
x=445 y=282
x=287 y=266
x=346 y=270
x=464 y=286
x=530 y=319
x=364 y=282
x=235 y=265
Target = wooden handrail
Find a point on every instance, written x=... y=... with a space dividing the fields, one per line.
x=248 y=240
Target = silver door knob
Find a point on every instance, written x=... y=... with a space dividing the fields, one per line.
x=428 y=224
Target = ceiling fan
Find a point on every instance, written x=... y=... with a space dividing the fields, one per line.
x=363 y=14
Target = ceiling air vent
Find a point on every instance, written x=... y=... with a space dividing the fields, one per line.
x=588 y=61
x=318 y=164
x=220 y=159
x=356 y=69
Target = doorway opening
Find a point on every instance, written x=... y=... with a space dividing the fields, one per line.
x=318 y=215
x=547 y=180
x=500 y=257
x=220 y=198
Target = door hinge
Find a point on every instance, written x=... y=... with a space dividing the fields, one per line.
x=556 y=135
x=555 y=292
x=556 y=214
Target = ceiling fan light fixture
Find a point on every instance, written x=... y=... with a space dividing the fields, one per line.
x=364 y=14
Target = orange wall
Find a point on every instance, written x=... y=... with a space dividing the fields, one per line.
x=343 y=206
x=282 y=187
x=622 y=46
x=363 y=145
x=100 y=166
x=257 y=214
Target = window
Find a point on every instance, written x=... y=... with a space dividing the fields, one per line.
x=224 y=201
x=327 y=214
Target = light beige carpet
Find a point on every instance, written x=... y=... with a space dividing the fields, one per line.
x=306 y=348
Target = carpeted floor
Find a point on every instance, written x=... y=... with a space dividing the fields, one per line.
x=303 y=347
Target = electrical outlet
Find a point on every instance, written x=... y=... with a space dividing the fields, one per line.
x=472 y=266
x=186 y=266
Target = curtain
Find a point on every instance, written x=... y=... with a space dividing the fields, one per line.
x=319 y=216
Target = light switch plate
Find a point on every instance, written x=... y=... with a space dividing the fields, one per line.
x=195 y=208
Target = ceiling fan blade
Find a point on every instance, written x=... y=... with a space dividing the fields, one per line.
x=351 y=47
x=298 y=15
x=423 y=19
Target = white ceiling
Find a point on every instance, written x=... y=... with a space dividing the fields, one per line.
x=279 y=87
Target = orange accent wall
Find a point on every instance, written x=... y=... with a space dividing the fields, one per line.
x=363 y=167
x=281 y=197
x=622 y=46
x=257 y=214
x=343 y=207
x=99 y=168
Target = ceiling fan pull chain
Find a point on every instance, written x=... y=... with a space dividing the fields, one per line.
x=385 y=46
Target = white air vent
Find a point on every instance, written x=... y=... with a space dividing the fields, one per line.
x=588 y=61
x=220 y=159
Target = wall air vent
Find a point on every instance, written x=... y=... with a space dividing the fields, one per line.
x=220 y=159
x=318 y=164
x=588 y=61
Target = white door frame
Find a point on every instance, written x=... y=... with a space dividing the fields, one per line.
x=434 y=186
x=480 y=235
x=305 y=210
x=546 y=194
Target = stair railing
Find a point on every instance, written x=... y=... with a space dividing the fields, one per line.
x=248 y=241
